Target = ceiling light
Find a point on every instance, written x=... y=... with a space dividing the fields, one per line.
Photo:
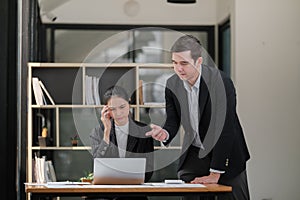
x=181 y=1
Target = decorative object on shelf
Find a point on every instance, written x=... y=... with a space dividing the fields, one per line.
x=43 y=137
x=44 y=132
x=74 y=140
x=88 y=178
x=42 y=141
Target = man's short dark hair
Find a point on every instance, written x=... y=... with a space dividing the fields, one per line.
x=188 y=43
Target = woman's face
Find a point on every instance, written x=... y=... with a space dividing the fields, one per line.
x=119 y=110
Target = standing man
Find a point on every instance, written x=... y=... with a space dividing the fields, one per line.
x=203 y=100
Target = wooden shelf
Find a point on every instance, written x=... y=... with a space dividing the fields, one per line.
x=60 y=79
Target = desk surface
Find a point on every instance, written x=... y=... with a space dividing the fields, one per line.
x=210 y=188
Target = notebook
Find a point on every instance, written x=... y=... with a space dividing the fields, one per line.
x=117 y=171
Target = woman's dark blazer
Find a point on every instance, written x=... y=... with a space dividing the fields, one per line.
x=137 y=144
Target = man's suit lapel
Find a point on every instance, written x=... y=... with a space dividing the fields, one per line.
x=203 y=95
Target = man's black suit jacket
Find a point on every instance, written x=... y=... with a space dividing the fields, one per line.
x=138 y=145
x=219 y=126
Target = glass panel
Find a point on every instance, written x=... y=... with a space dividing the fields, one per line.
x=77 y=45
x=72 y=165
x=226 y=51
x=153 y=46
x=79 y=121
x=148 y=46
x=154 y=81
x=111 y=46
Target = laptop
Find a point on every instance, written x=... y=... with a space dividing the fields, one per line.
x=119 y=171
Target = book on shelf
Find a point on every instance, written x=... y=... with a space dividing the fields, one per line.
x=43 y=170
x=96 y=90
x=46 y=92
x=38 y=88
x=92 y=90
x=39 y=170
x=51 y=176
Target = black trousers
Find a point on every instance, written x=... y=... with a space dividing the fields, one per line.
x=194 y=167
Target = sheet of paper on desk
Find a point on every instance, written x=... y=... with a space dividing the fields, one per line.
x=68 y=183
x=64 y=186
x=115 y=186
x=38 y=184
x=186 y=185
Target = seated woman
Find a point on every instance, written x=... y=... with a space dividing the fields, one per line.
x=119 y=135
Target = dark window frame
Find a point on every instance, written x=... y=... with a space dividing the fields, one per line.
x=221 y=29
x=209 y=29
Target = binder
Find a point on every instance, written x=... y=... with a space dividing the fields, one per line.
x=47 y=93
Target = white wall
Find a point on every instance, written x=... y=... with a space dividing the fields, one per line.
x=223 y=10
x=267 y=77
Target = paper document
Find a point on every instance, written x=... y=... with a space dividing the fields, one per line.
x=185 y=185
x=39 y=184
x=68 y=183
x=174 y=181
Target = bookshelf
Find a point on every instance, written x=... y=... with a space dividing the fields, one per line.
x=66 y=84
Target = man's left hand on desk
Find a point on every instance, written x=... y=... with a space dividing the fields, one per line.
x=212 y=178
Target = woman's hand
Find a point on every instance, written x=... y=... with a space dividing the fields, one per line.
x=105 y=118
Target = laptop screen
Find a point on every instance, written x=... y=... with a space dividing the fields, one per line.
x=119 y=170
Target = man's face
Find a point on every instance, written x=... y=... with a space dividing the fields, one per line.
x=185 y=67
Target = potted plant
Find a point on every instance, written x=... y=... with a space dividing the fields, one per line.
x=74 y=140
x=88 y=178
